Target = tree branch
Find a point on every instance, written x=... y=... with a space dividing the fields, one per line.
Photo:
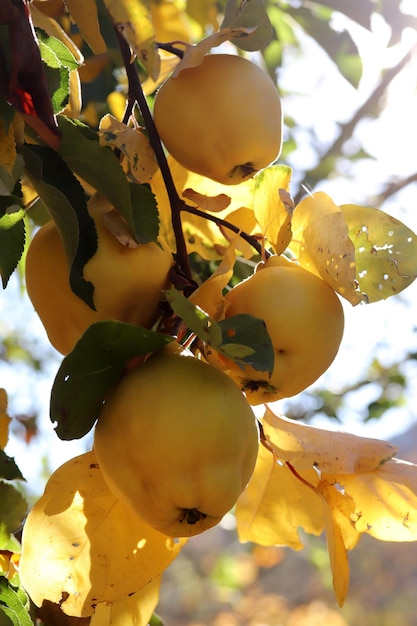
x=348 y=128
x=395 y=187
x=225 y=224
x=135 y=94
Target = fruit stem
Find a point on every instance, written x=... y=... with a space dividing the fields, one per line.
x=135 y=94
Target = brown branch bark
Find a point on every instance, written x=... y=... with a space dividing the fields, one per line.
x=135 y=94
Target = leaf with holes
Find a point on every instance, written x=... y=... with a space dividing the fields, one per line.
x=386 y=251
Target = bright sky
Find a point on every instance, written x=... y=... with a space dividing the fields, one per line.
x=386 y=327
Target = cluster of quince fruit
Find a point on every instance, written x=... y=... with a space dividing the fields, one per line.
x=177 y=438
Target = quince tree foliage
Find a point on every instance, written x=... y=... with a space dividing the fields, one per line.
x=134 y=223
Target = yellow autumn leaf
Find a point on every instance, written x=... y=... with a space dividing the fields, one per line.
x=53 y=29
x=9 y=564
x=116 y=101
x=136 y=610
x=306 y=446
x=194 y=54
x=276 y=504
x=140 y=160
x=321 y=244
x=168 y=62
x=85 y=16
x=212 y=204
x=200 y=230
x=7 y=148
x=238 y=211
x=340 y=536
x=385 y=501
x=245 y=220
x=209 y=296
x=202 y=235
x=240 y=195
x=4 y=419
x=82 y=547
x=170 y=22
x=271 y=213
x=299 y=483
x=386 y=251
x=133 y=19
x=73 y=107
x=205 y=14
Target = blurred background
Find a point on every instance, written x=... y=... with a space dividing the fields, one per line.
x=348 y=80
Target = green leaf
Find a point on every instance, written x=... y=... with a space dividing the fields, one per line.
x=13 y=509
x=10 y=205
x=133 y=19
x=385 y=251
x=57 y=79
x=8 y=467
x=195 y=318
x=242 y=338
x=6 y=182
x=95 y=164
x=246 y=341
x=359 y=11
x=12 y=243
x=142 y=216
x=63 y=195
x=62 y=54
x=9 y=181
x=59 y=61
x=11 y=544
x=5 y=620
x=14 y=604
x=13 y=216
x=87 y=374
x=248 y=14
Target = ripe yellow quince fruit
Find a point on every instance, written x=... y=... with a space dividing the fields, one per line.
x=221 y=119
x=127 y=282
x=304 y=319
x=177 y=442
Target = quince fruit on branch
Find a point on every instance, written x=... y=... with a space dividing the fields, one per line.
x=177 y=442
x=304 y=319
x=128 y=283
x=221 y=119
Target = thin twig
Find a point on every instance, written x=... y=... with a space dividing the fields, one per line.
x=395 y=187
x=225 y=224
x=169 y=47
